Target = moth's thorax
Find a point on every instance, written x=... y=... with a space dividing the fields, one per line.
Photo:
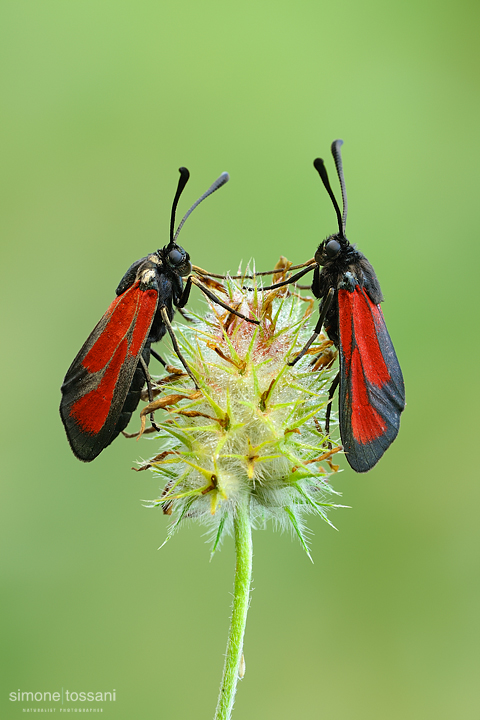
x=148 y=278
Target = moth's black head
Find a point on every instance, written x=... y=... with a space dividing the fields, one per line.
x=331 y=249
x=177 y=259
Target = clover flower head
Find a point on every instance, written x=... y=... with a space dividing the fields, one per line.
x=254 y=429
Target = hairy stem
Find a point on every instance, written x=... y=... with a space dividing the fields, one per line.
x=241 y=598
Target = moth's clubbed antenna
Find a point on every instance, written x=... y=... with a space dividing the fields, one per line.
x=224 y=178
x=182 y=181
x=319 y=166
x=337 y=156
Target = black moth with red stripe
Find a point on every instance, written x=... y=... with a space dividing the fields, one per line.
x=103 y=385
x=372 y=393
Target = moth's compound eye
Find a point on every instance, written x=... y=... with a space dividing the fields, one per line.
x=332 y=248
x=175 y=257
x=186 y=267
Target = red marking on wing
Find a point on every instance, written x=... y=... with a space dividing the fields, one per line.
x=135 y=307
x=373 y=362
x=129 y=318
x=121 y=314
x=357 y=317
x=364 y=366
x=367 y=424
x=91 y=410
x=145 y=310
x=345 y=319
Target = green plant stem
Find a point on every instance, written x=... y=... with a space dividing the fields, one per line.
x=241 y=599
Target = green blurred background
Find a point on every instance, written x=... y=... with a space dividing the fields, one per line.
x=102 y=101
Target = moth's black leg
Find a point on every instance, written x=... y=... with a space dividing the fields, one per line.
x=185 y=293
x=215 y=299
x=168 y=325
x=149 y=387
x=167 y=367
x=241 y=276
x=316 y=282
x=290 y=280
x=158 y=357
x=185 y=315
x=324 y=307
x=331 y=393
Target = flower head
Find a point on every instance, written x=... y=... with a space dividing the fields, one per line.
x=254 y=429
